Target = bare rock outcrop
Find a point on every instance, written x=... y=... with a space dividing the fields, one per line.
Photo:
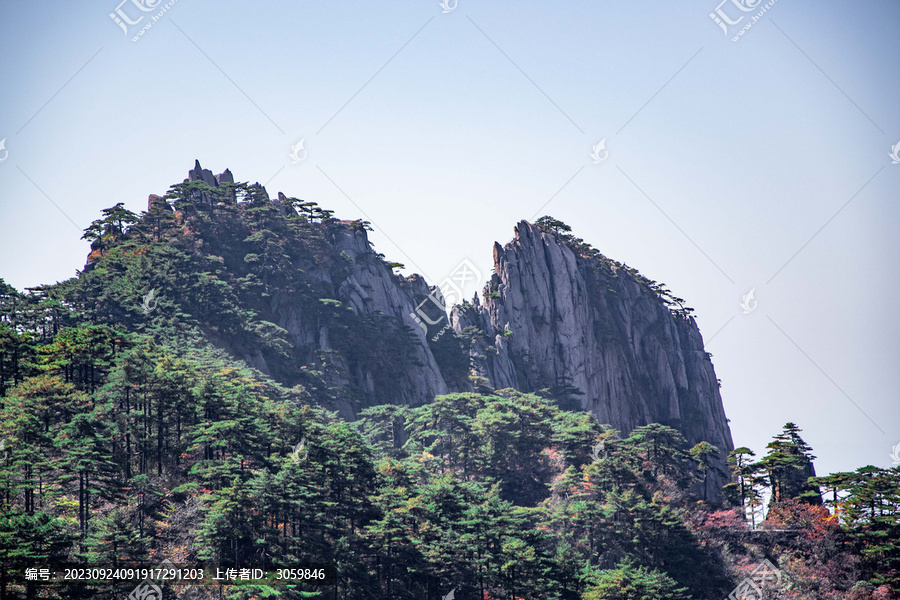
x=370 y=288
x=555 y=317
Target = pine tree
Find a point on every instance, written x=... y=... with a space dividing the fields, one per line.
x=745 y=490
x=705 y=455
x=628 y=582
x=789 y=464
x=662 y=450
x=554 y=225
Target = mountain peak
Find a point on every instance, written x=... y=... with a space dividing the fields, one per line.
x=560 y=316
x=198 y=173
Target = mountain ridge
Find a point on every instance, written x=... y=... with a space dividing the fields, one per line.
x=327 y=311
x=558 y=314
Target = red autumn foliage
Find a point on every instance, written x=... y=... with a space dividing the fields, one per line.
x=813 y=554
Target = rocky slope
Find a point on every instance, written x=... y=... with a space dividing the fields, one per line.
x=371 y=288
x=555 y=316
x=317 y=305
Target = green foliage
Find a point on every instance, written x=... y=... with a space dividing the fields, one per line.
x=789 y=466
x=628 y=582
x=133 y=429
x=112 y=227
x=554 y=225
x=746 y=489
x=194 y=457
x=866 y=504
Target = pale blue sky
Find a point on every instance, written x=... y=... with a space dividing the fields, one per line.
x=476 y=118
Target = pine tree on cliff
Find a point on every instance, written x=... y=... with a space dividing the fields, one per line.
x=554 y=225
x=789 y=464
x=115 y=223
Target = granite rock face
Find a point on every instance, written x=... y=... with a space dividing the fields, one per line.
x=373 y=288
x=206 y=176
x=370 y=288
x=556 y=314
x=344 y=269
x=198 y=173
x=554 y=318
x=225 y=177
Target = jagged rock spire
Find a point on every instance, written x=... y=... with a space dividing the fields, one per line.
x=225 y=177
x=556 y=318
x=198 y=173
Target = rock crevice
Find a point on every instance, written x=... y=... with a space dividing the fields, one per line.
x=554 y=317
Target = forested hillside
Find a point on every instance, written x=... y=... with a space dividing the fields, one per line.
x=230 y=381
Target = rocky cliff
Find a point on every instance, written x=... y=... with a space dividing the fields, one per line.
x=556 y=314
x=304 y=298
x=366 y=285
x=371 y=288
x=299 y=295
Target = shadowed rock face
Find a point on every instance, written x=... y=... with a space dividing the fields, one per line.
x=372 y=288
x=343 y=269
x=368 y=287
x=580 y=321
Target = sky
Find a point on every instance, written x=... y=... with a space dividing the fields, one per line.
x=759 y=164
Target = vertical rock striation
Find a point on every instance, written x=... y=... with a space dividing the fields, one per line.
x=556 y=314
x=372 y=288
x=556 y=317
x=337 y=303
